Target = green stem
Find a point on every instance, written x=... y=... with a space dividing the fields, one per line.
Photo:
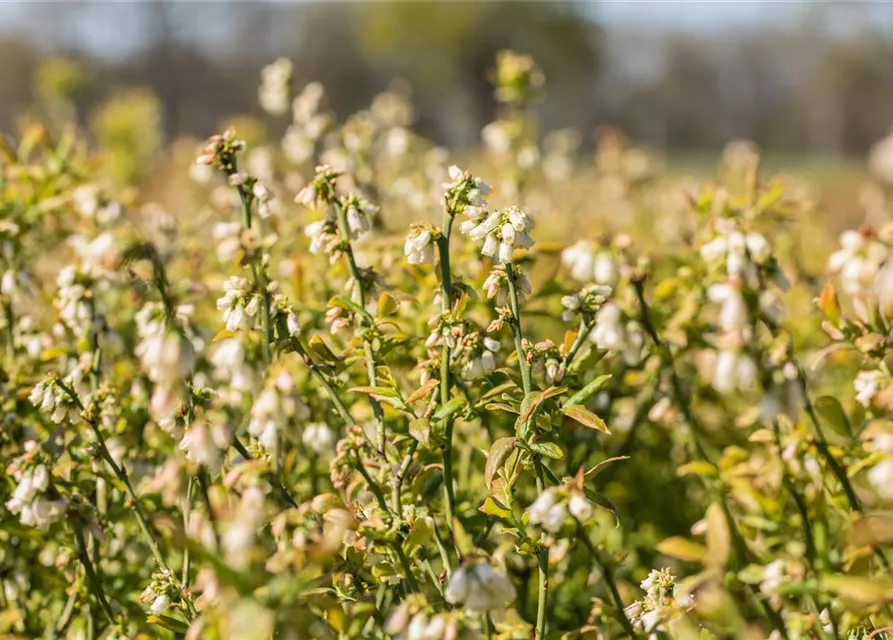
x=92 y=578
x=10 y=331
x=446 y=304
x=527 y=384
x=397 y=544
x=488 y=627
x=187 y=510
x=120 y=473
x=257 y=272
x=666 y=356
x=515 y=323
x=359 y=295
x=285 y=496
x=582 y=332
x=396 y=492
x=332 y=392
x=543 y=567
x=65 y=617
x=373 y=486
x=608 y=576
x=699 y=452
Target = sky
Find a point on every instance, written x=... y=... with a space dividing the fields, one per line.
x=109 y=28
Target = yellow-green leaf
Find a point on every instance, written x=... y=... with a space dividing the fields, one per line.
x=492 y=508
x=601 y=466
x=833 y=415
x=422 y=392
x=499 y=453
x=585 y=417
x=719 y=540
x=593 y=387
x=386 y=305
x=682 y=549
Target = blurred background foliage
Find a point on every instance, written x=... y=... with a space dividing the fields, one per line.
x=799 y=78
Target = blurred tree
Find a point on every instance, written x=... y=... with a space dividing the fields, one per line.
x=445 y=50
x=804 y=85
x=127 y=128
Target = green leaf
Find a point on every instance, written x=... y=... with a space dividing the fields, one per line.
x=386 y=305
x=585 y=417
x=858 y=591
x=386 y=395
x=548 y=449
x=588 y=391
x=420 y=533
x=422 y=392
x=492 y=508
x=682 y=549
x=833 y=415
x=499 y=453
x=464 y=542
x=696 y=468
x=498 y=406
x=719 y=540
x=223 y=335
x=533 y=400
x=338 y=301
x=169 y=623
x=383 y=392
x=498 y=390
x=320 y=348
x=605 y=503
x=420 y=430
x=601 y=466
x=451 y=407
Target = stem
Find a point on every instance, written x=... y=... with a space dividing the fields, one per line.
x=543 y=555
x=738 y=543
x=836 y=468
x=679 y=396
x=359 y=296
x=373 y=486
x=187 y=510
x=397 y=544
x=608 y=576
x=66 y=615
x=543 y=566
x=396 y=496
x=92 y=578
x=121 y=474
x=10 y=331
x=582 y=332
x=516 y=329
x=446 y=304
x=286 y=497
x=257 y=272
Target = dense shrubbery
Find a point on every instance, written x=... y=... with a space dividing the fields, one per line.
x=412 y=414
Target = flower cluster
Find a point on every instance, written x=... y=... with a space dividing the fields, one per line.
x=419 y=245
x=586 y=303
x=860 y=258
x=501 y=231
x=30 y=499
x=589 y=262
x=465 y=193
x=221 y=150
x=348 y=446
x=552 y=509
x=275 y=88
x=479 y=586
x=664 y=602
